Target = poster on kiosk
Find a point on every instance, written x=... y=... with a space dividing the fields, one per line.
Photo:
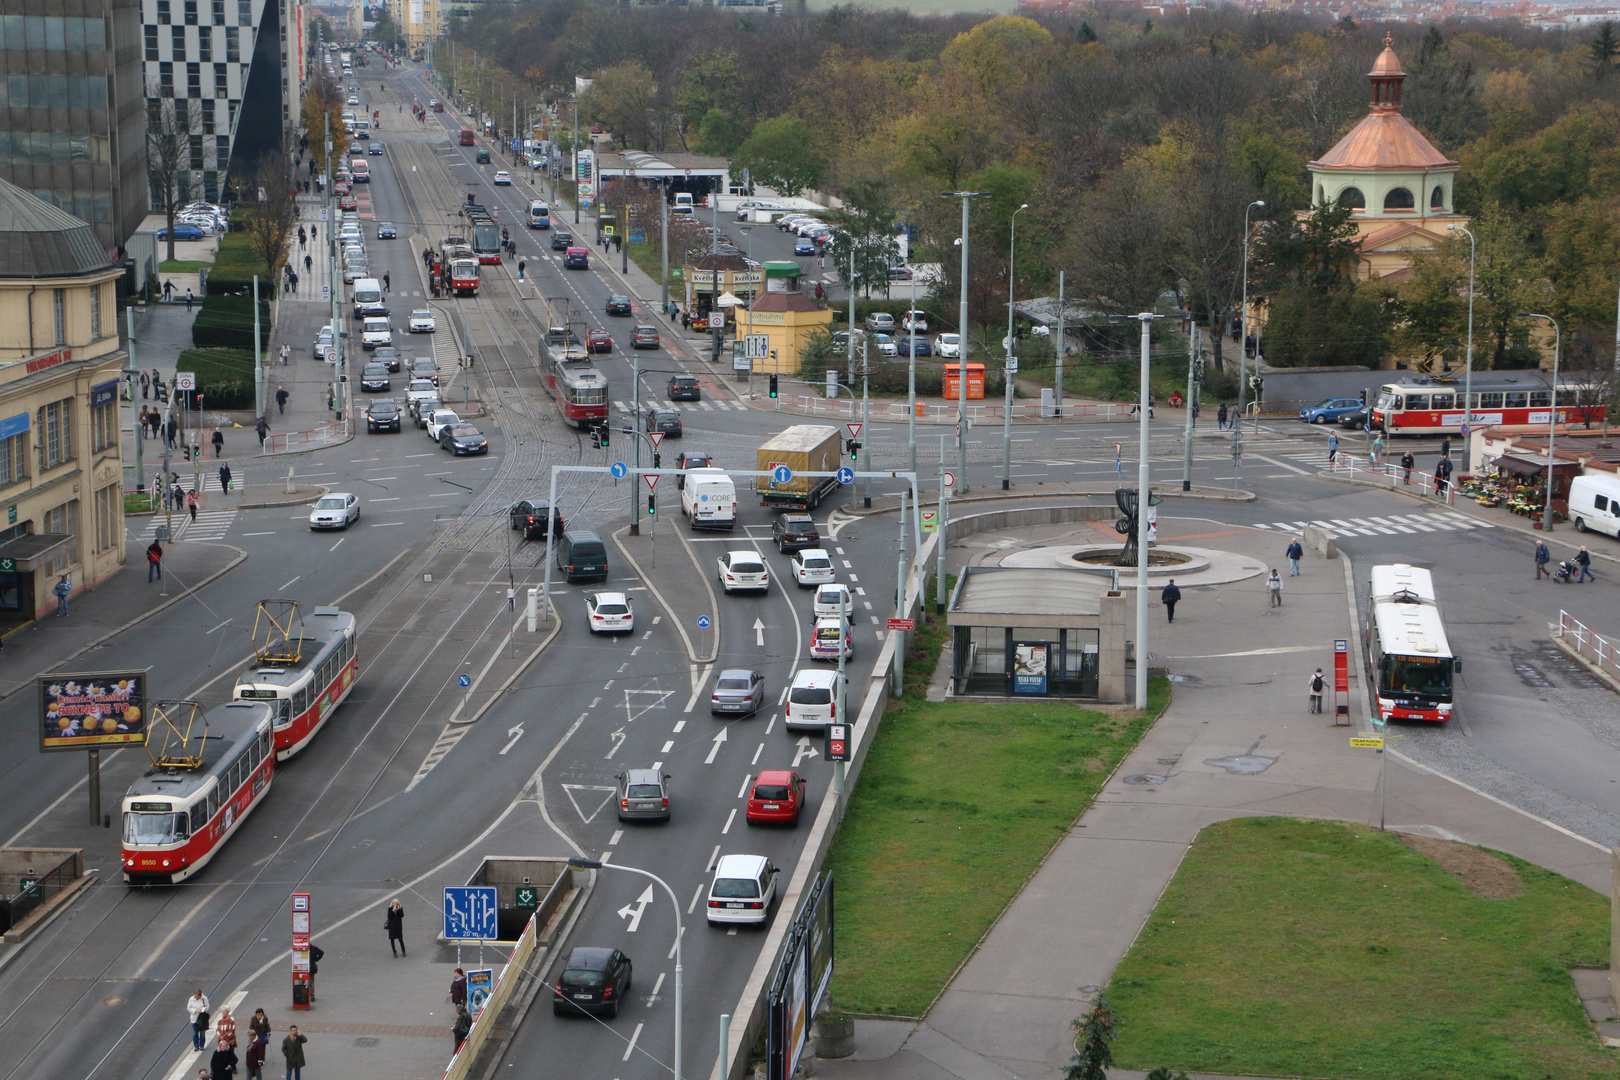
x=303 y=977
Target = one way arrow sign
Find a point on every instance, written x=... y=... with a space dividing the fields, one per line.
x=634 y=911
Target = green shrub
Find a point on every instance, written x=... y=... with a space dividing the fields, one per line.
x=235 y=264
x=224 y=376
x=226 y=322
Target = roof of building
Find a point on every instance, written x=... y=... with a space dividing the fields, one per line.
x=784 y=301
x=38 y=240
x=1005 y=590
x=1384 y=139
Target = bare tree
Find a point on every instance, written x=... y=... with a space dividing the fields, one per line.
x=170 y=129
x=273 y=213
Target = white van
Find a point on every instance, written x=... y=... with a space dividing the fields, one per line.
x=812 y=700
x=539 y=216
x=709 y=499
x=1594 y=504
x=362 y=129
x=683 y=203
x=375 y=332
x=368 y=298
x=743 y=890
x=360 y=169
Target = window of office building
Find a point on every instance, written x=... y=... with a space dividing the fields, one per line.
x=177 y=40
x=107 y=530
x=95 y=310
x=166 y=78
x=211 y=186
x=55 y=433
x=151 y=43
x=222 y=148
x=205 y=43
x=222 y=82
x=219 y=12
x=62 y=521
x=196 y=151
x=191 y=12
x=208 y=116
x=233 y=44
x=59 y=314
x=104 y=426
x=163 y=12
x=53 y=33
x=193 y=80
x=14 y=460
x=244 y=12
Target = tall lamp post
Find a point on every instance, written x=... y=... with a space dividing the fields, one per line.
x=1144 y=499
x=1468 y=372
x=675 y=906
x=1006 y=405
x=962 y=343
x=1243 y=332
x=1552 y=423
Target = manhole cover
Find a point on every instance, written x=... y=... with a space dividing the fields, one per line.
x=367 y=1041
x=113 y=1000
x=1145 y=778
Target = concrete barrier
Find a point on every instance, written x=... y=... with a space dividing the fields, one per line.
x=1321 y=542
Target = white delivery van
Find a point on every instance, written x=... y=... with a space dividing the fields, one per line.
x=539 y=215
x=362 y=129
x=368 y=298
x=709 y=499
x=683 y=203
x=1594 y=504
x=360 y=169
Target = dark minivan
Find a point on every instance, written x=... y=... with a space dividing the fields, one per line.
x=593 y=979
x=582 y=556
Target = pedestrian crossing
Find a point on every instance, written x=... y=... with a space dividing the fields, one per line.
x=1387 y=525
x=705 y=406
x=210 y=525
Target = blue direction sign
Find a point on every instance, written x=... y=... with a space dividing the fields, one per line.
x=469 y=913
x=464 y=681
x=703 y=622
x=781 y=474
x=618 y=470
x=846 y=475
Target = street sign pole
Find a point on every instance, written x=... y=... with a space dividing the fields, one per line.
x=900 y=608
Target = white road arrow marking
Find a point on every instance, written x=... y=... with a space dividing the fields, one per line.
x=802 y=749
x=759 y=633
x=516 y=731
x=634 y=911
x=618 y=741
x=719 y=738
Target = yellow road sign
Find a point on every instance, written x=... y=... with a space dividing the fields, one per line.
x=1375 y=742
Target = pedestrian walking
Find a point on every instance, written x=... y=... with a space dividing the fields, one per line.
x=302 y=236
x=156 y=420
x=294 y=279
x=1543 y=556
x=1274 y=585
x=462 y=1028
x=172 y=429
x=1220 y=418
x=1442 y=475
x=188 y=299
x=458 y=988
x=222 y=1066
x=225 y=1028
x=168 y=292
x=316 y=955
x=1295 y=552
x=388 y=282
x=292 y=1050
x=225 y=477
x=61 y=590
x=309 y=265
x=395 y=924
x=1333 y=446
x=281 y=400
x=1584 y=561
x=263 y=428
x=255 y=1056
x=197 y=1003
x=1408 y=462
x=1318 y=685
x=259 y=1024
x=141 y=422
x=154 y=561
x=1445 y=447
x=522 y=265
x=219 y=442
x=146 y=385
x=286 y=352
x=191 y=503
x=1376 y=453
x=1169 y=597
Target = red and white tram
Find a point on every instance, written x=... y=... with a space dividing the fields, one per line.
x=581 y=391
x=1426 y=405
x=307 y=679
x=463 y=274
x=180 y=813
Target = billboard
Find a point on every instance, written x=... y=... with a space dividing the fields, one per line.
x=92 y=709
x=1029 y=666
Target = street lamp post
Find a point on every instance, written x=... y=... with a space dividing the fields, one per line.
x=597 y=864
x=1006 y=404
x=1144 y=499
x=1243 y=332
x=1468 y=371
x=962 y=342
x=1552 y=422
x=575 y=148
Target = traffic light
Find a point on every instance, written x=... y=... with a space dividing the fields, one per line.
x=773 y=386
x=658 y=460
x=854 y=448
x=652 y=505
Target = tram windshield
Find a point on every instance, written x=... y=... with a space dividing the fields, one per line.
x=152 y=828
x=1425 y=677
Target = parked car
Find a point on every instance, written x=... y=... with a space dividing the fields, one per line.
x=914 y=320
x=1330 y=410
x=949 y=345
x=900 y=273
x=667 y=421
x=684 y=388
x=531 y=517
x=883 y=345
x=791 y=532
x=382 y=416
x=902 y=347
x=323 y=343
x=423 y=322
x=182 y=231
x=593 y=980
x=776 y=798
x=743 y=569
x=644 y=337
x=337 y=510
x=386 y=230
x=463 y=439
x=643 y=795
x=618 y=305
x=348 y=202
x=609 y=612
x=738 y=691
x=811 y=566
x=743 y=889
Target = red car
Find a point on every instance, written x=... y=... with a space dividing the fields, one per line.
x=342 y=187
x=348 y=202
x=777 y=796
x=598 y=341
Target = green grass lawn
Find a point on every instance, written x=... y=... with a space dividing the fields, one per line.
x=956 y=807
x=1305 y=948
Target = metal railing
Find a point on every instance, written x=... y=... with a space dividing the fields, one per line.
x=1603 y=653
x=1395 y=476
x=897 y=411
x=311 y=439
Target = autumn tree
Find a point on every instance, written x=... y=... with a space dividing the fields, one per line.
x=1120 y=245
x=782 y=154
x=272 y=213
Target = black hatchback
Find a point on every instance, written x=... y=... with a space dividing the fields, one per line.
x=618 y=305
x=792 y=532
x=530 y=517
x=685 y=388
x=561 y=241
x=593 y=980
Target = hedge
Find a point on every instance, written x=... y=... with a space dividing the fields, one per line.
x=235 y=264
x=226 y=322
x=224 y=376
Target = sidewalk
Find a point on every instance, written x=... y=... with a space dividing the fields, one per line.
x=1008 y=1011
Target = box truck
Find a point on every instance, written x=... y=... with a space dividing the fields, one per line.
x=804 y=449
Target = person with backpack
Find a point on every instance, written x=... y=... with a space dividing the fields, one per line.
x=1318 y=687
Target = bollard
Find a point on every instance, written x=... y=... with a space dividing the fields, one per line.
x=290 y=488
x=534 y=610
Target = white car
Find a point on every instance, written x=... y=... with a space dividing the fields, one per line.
x=323 y=343
x=502 y=178
x=439 y=420
x=421 y=390
x=831 y=635
x=338 y=510
x=609 y=612
x=830 y=600
x=812 y=700
x=811 y=566
x=914 y=321
x=375 y=332
x=423 y=322
x=948 y=345
x=743 y=890
x=743 y=570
